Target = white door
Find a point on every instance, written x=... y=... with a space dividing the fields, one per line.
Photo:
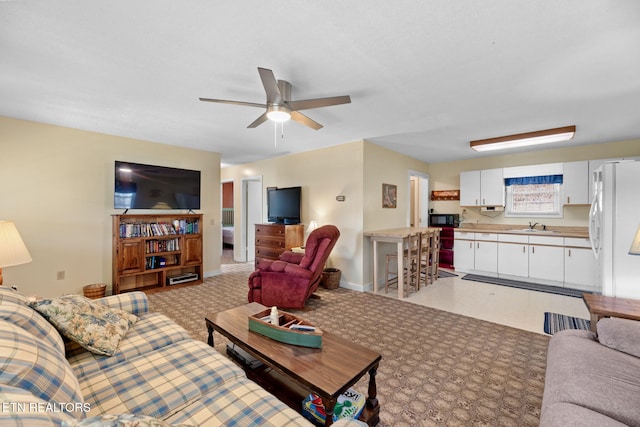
x=418 y=203
x=253 y=215
x=424 y=201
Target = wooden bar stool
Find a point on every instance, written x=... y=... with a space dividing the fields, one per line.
x=411 y=265
x=426 y=241
x=435 y=255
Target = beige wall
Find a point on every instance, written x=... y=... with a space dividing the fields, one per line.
x=446 y=176
x=383 y=166
x=57 y=186
x=323 y=174
x=355 y=170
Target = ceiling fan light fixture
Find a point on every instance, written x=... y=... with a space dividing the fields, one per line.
x=278 y=113
x=547 y=136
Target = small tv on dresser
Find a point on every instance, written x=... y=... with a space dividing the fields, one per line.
x=283 y=205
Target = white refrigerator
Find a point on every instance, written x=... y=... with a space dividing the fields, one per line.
x=613 y=220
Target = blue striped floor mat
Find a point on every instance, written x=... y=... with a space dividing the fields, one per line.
x=554 y=322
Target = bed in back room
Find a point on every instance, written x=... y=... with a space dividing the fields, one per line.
x=227 y=227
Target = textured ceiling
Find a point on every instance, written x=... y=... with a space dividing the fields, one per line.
x=425 y=77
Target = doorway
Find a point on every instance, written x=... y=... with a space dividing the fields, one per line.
x=227 y=222
x=251 y=215
x=418 y=209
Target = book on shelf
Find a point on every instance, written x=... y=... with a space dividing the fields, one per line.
x=184 y=226
x=170 y=245
x=144 y=229
x=156 y=261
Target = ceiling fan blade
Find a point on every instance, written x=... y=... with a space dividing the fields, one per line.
x=304 y=120
x=260 y=120
x=270 y=86
x=319 y=102
x=224 y=101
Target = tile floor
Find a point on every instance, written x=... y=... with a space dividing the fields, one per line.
x=513 y=307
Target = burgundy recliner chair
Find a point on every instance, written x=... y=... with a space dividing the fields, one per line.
x=290 y=281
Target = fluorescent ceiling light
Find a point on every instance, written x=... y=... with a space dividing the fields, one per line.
x=278 y=113
x=524 y=139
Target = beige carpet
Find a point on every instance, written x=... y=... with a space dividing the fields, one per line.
x=437 y=368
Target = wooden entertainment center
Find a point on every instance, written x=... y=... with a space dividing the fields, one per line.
x=155 y=252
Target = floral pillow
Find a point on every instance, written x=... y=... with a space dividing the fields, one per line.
x=94 y=326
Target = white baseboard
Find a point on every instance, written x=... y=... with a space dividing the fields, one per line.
x=352 y=286
x=212 y=273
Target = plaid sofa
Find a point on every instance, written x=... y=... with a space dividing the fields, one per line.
x=157 y=376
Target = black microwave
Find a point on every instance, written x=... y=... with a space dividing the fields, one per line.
x=444 y=220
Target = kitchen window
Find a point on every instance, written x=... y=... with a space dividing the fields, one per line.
x=534 y=196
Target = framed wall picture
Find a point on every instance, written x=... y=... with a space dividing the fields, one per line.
x=389 y=196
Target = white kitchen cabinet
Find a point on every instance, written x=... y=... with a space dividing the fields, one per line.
x=463 y=249
x=470 y=188
x=492 y=187
x=575 y=183
x=513 y=255
x=546 y=258
x=486 y=253
x=580 y=267
x=482 y=188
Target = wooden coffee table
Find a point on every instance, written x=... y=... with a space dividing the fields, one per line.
x=290 y=372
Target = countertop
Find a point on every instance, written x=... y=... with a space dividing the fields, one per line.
x=557 y=231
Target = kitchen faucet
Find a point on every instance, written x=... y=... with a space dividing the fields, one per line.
x=531 y=227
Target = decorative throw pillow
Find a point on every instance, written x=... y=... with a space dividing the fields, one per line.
x=94 y=326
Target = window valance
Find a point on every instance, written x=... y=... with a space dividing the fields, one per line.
x=527 y=180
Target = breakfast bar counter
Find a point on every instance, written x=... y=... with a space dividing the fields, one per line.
x=391 y=235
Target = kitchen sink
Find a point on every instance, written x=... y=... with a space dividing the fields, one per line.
x=535 y=230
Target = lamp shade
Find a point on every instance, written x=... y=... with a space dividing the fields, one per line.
x=635 y=245
x=12 y=248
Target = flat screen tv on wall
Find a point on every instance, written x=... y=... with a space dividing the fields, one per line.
x=139 y=186
x=283 y=205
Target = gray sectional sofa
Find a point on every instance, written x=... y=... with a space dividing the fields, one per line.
x=156 y=375
x=593 y=380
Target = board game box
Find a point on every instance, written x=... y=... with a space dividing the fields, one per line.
x=349 y=405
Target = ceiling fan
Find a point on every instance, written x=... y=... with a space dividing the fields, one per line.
x=279 y=106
